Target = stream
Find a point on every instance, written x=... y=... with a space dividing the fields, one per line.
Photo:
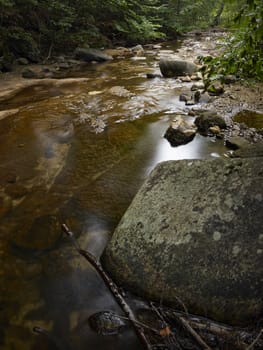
x=77 y=153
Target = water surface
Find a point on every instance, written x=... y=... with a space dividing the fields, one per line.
x=77 y=154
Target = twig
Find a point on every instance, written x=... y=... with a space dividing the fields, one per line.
x=112 y=287
x=251 y=346
x=193 y=333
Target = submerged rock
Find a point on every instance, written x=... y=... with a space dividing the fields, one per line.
x=106 y=323
x=44 y=234
x=194 y=232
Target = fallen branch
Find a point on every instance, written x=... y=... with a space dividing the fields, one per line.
x=193 y=333
x=112 y=287
x=233 y=334
x=251 y=346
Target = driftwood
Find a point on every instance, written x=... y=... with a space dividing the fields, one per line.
x=112 y=287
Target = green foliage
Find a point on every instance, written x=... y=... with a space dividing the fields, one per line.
x=243 y=55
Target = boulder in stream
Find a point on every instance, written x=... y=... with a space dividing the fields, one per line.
x=194 y=233
x=90 y=55
x=180 y=132
x=172 y=69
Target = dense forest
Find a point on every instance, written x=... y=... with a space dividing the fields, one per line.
x=35 y=29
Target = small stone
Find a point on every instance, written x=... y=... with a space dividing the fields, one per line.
x=185 y=79
x=215 y=88
x=215 y=130
x=198 y=86
x=185 y=96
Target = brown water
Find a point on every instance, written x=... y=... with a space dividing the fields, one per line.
x=77 y=153
x=252 y=119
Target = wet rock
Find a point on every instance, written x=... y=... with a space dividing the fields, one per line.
x=190 y=103
x=250 y=151
x=197 y=76
x=137 y=50
x=215 y=88
x=28 y=73
x=236 y=142
x=44 y=234
x=106 y=323
x=119 y=91
x=118 y=52
x=207 y=119
x=205 y=98
x=90 y=55
x=185 y=96
x=194 y=232
x=172 y=69
x=198 y=86
x=215 y=130
x=180 y=132
x=185 y=79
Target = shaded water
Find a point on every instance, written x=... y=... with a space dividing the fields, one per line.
x=77 y=153
x=252 y=119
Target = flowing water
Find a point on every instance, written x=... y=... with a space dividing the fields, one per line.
x=76 y=153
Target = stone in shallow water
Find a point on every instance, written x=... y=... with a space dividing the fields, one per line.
x=194 y=232
x=44 y=234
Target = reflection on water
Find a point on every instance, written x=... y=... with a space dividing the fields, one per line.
x=76 y=154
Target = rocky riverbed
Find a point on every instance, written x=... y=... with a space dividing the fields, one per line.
x=77 y=141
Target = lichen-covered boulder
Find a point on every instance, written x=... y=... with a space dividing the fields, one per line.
x=172 y=69
x=194 y=233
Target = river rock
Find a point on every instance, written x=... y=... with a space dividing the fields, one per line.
x=90 y=55
x=194 y=232
x=250 y=151
x=180 y=132
x=207 y=119
x=215 y=88
x=236 y=142
x=172 y=69
x=198 y=86
x=137 y=50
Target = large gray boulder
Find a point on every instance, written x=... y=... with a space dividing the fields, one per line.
x=175 y=68
x=194 y=233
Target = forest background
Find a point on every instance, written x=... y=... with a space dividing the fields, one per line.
x=35 y=29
